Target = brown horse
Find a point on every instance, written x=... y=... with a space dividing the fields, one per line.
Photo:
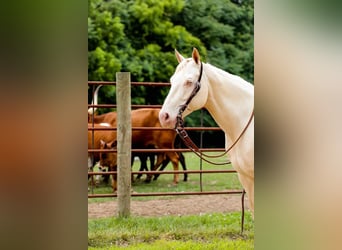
x=160 y=139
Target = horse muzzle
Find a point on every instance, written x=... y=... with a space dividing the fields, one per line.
x=166 y=120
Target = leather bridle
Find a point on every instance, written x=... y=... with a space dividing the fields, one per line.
x=179 y=127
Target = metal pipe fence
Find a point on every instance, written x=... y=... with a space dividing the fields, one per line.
x=201 y=171
x=199 y=128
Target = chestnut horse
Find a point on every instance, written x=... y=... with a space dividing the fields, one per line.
x=230 y=101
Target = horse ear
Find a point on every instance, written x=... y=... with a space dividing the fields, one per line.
x=103 y=144
x=179 y=56
x=196 y=56
x=112 y=144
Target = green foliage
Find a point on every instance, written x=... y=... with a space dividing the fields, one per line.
x=226 y=30
x=136 y=36
x=105 y=32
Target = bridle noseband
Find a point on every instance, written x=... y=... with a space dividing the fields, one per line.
x=179 y=127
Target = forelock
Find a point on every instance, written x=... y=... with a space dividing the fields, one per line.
x=183 y=64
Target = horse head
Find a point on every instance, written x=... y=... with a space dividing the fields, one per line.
x=187 y=77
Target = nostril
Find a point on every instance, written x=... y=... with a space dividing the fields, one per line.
x=164 y=117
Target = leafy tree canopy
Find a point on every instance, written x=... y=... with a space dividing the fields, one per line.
x=140 y=36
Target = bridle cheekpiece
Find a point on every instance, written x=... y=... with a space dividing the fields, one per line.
x=185 y=105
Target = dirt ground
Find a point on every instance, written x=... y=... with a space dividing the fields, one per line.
x=188 y=205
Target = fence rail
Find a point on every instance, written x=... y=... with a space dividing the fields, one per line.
x=156 y=150
x=159 y=84
x=168 y=193
x=173 y=172
x=153 y=128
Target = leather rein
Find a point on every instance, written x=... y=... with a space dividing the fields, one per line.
x=185 y=137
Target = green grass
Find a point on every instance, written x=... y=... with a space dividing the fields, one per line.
x=209 y=231
x=210 y=182
x=171 y=245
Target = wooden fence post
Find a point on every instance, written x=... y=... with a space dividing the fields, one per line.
x=124 y=135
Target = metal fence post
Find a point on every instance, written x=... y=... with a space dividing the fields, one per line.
x=124 y=128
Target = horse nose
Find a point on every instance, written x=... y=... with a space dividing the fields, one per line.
x=164 y=117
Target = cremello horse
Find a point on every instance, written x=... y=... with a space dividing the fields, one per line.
x=230 y=101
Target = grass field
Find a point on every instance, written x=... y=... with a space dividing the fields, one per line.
x=207 y=231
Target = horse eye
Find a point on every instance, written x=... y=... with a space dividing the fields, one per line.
x=188 y=83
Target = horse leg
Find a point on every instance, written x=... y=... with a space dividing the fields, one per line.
x=114 y=179
x=164 y=164
x=91 y=164
x=182 y=161
x=132 y=162
x=174 y=159
x=143 y=164
x=248 y=184
x=160 y=160
x=178 y=144
x=105 y=176
x=152 y=160
x=90 y=169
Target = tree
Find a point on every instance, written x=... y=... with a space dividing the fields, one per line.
x=140 y=36
x=135 y=36
x=105 y=32
x=226 y=29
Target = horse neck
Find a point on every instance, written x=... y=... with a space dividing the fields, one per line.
x=230 y=100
